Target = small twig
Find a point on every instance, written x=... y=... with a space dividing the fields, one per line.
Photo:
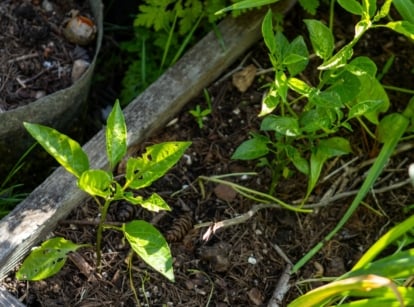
x=281 y=289
x=23 y=57
x=213 y=227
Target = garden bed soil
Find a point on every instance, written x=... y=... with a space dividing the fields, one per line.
x=242 y=264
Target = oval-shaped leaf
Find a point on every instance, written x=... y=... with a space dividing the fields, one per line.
x=155 y=203
x=46 y=260
x=252 y=149
x=154 y=163
x=116 y=134
x=298 y=56
x=321 y=38
x=96 y=182
x=66 y=151
x=364 y=107
x=352 y=6
x=151 y=246
x=267 y=32
x=284 y=125
x=338 y=60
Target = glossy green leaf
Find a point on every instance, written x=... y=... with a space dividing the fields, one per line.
x=46 y=260
x=154 y=163
x=96 y=182
x=300 y=87
x=338 y=60
x=282 y=45
x=321 y=38
x=267 y=32
x=252 y=149
x=352 y=6
x=151 y=246
x=371 y=89
x=298 y=56
x=405 y=28
x=362 y=65
x=346 y=85
x=270 y=102
x=317 y=119
x=116 y=134
x=364 y=107
x=326 y=149
x=288 y=126
x=66 y=151
x=328 y=99
x=155 y=203
x=405 y=8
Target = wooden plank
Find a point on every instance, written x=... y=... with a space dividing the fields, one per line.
x=38 y=214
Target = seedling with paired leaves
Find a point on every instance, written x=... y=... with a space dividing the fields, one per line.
x=141 y=172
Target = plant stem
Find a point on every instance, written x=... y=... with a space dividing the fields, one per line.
x=104 y=212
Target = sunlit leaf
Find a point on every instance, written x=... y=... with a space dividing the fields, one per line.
x=96 y=182
x=151 y=246
x=321 y=38
x=284 y=125
x=46 y=260
x=116 y=133
x=66 y=151
x=246 y=4
x=352 y=6
x=154 y=163
x=155 y=203
x=405 y=28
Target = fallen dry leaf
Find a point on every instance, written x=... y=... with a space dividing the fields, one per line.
x=243 y=79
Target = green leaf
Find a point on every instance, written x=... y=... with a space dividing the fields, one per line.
x=151 y=246
x=371 y=89
x=362 y=65
x=321 y=38
x=46 y=260
x=267 y=32
x=288 y=126
x=364 y=107
x=338 y=60
x=281 y=84
x=270 y=101
x=96 y=182
x=300 y=87
x=116 y=134
x=298 y=161
x=346 y=85
x=297 y=56
x=155 y=162
x=155 y=203
x=246 y=4
x=398 y=265
x=282 y=45
x=66 y=151
x=387 y=128
x=384 y=10
x=309 y=5
x=317 y=119
x=326 y=149
x=405 y=28
x=405 y=8
x=327 y=99
x=352 y=6
x=252 y=149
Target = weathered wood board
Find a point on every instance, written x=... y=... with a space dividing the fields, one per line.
x=38 y=214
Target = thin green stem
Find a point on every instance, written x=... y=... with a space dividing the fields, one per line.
x=104 y=212
x=398 y=89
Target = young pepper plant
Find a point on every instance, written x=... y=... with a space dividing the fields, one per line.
x=141 y=172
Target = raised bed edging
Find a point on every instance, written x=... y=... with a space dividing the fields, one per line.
x=35 y=217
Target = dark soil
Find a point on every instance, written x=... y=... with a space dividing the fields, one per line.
x=36 y=57
x=239 y=265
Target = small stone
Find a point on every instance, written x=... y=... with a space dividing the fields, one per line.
x=255 y=296
x=80 y=30
x=78 y=68
x=252 y=260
